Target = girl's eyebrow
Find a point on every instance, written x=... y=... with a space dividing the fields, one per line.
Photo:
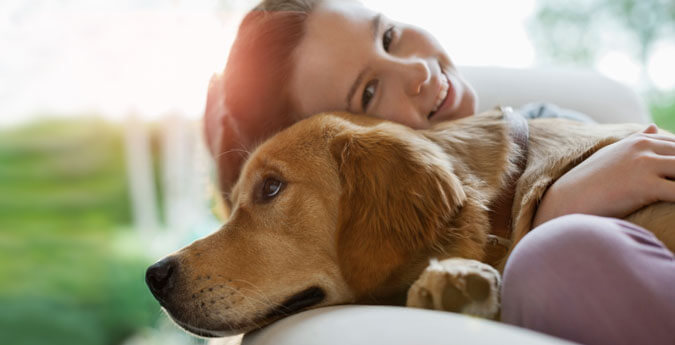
x=374 y=29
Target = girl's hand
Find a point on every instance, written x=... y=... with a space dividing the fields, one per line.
x=617 y=180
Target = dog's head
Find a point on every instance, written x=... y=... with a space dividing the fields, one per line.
x=335 y=209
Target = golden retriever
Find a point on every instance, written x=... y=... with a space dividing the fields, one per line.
x=344 y=209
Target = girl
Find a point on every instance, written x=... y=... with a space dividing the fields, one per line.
x=589 y=278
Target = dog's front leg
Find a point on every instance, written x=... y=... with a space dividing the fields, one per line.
x=457 y=285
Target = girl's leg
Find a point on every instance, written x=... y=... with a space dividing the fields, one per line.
x=592 y=280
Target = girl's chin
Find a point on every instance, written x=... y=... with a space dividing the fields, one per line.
x=462 y=111
x=467 y=107
x=446 y=117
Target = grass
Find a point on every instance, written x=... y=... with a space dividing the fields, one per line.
x=63 y=206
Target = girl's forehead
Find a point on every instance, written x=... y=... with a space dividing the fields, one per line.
x=346 y=10
x=337 y=44
x=339 y=19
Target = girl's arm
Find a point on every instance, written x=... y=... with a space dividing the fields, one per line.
x=617 y=180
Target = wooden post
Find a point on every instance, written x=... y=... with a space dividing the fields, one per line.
x=185 y=165
x=140 y=175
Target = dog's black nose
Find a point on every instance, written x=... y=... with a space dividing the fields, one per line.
x=160 y=277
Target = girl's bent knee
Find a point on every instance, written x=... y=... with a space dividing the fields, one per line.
x=575 y=270
x=552 y=256
x=577 y=235
x=564 y=245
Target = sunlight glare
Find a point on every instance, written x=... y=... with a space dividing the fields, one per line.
x=661 y=66
x=620 y=67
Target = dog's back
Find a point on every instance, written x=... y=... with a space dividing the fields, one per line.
x=555 y=147
x=658 y=218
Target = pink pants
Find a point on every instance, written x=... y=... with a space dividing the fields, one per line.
x=592 y=280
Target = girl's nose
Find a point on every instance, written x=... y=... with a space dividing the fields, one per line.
x=412 y=72
x=418 y=76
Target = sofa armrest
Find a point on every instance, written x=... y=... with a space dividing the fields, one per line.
x=373 y=325
x=585 y=91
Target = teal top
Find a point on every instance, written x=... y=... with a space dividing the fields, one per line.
x=538 y=110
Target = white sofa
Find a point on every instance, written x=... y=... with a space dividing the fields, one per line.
x=584 y=91
x=604 y=100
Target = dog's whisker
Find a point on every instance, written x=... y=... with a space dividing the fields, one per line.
x=160 y=313
x=248 y=299
x=255 y=323
x=249 y=302
x=257 y=290
x=266 y=302
x=242 y=150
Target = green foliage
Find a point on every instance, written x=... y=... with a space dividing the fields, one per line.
x=575 y=31
x=562 y=30
x=663 y=112
x=52 y=171
x=100 y=304
x=63 y=208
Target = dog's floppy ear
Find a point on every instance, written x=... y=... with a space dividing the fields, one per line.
x=398 y=195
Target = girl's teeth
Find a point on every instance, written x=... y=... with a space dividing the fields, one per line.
x=442 y=94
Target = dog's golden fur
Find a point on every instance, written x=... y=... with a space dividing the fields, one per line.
x=364 y=204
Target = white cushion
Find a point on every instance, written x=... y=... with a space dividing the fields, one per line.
x=372 y=325
x=585 y=91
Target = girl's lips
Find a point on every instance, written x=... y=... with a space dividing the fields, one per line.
x=448 y=105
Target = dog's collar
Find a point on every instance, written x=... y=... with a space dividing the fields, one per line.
x=501 y=219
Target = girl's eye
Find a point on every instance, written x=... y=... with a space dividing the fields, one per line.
x=387 y=37
x=368 y=94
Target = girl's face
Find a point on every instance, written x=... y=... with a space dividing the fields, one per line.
x=354 y=59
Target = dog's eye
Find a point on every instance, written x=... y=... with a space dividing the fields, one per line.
x=270 y=188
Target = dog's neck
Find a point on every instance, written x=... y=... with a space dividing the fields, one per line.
x=501 y=209
x=504 y=137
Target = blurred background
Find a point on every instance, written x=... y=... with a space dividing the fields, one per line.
x=102 y=164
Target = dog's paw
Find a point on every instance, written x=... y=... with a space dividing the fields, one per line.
x=457 y=285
